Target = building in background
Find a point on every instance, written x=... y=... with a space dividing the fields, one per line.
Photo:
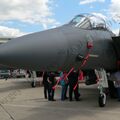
x=4 y=40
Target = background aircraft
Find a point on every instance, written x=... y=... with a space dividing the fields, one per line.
x=84 y=37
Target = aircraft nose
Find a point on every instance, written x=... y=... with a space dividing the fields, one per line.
x=42 y=50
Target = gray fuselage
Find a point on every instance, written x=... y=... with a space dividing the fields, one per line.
x=58 y=48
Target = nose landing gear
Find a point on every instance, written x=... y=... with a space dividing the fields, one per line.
x=102 y=85
x=102 y=100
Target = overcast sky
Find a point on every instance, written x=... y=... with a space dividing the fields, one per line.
x=18 y=17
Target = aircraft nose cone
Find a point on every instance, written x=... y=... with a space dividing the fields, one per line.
x=42 y=50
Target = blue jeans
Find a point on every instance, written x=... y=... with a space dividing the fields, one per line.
x=66 y=87
x=63 y=92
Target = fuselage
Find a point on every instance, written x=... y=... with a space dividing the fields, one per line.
x=58 y=48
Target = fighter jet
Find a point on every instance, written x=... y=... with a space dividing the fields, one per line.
x=86 y=42
x=63 y=47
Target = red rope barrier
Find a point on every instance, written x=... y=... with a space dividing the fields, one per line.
x=80 y=78
x=54 y=87
x=83 y=64
x=85 y=60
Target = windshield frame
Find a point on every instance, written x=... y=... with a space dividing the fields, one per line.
x=101 y=25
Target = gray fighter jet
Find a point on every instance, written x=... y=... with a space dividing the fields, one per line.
x=85 y=39
x=63 y=47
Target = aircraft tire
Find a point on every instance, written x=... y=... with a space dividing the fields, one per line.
x=102 y=100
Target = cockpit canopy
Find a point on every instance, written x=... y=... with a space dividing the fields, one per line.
x=89 y=21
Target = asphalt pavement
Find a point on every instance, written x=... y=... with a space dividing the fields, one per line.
x=18 y=101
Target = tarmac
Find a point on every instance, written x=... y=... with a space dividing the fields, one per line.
x=18 y=101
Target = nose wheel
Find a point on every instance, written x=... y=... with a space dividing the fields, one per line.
x=102 y=85
x=102 y=100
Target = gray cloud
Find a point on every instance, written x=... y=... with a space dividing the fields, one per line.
x=115 y=9
x=30 y=11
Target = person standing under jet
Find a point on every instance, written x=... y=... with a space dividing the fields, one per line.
x=45 y=83
x=112 y=89
x=64 y=84
x=116 y=78
x=51 y=82
x=73 y=80
x=117 y=83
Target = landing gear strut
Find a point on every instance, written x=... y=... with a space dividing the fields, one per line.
x=102 y=84
x=33 y=76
